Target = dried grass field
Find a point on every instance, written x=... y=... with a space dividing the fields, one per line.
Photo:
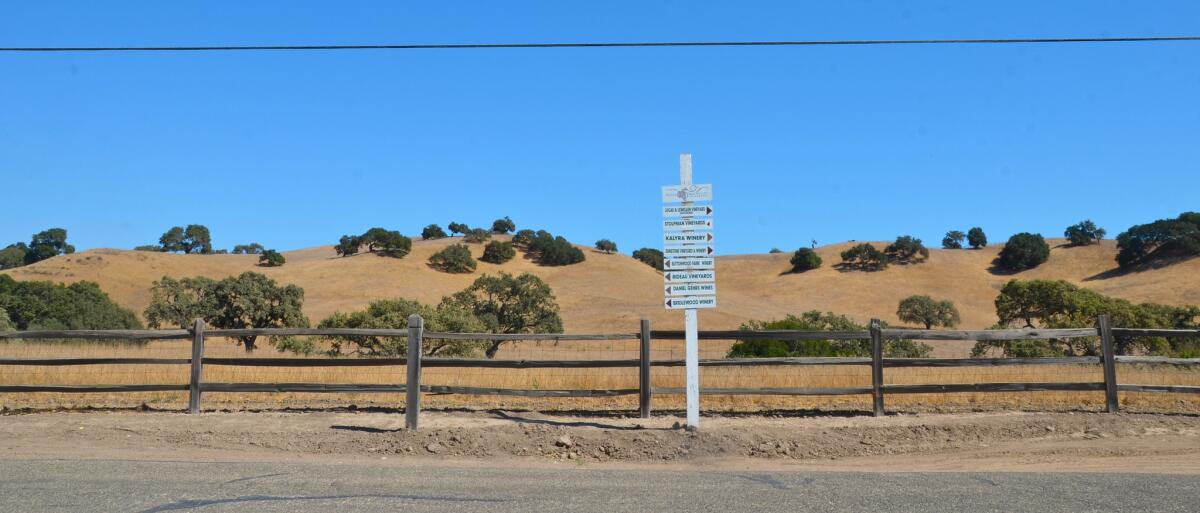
x=816 y=376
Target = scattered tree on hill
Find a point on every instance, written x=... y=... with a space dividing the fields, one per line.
x=252 y=248
x=386 y=242
x=477 y=236
x=522 y=238
x=606 y=246
x=805 y=259
x=455 y=258
x=47 y=244
x=393 y=314
x=864 y=257
x=906 y=250
x=43 y=305
x=976 y=238
x=1083 y=233
x=1164 y=238
x=271 y=258
x=650 y=256
x=774 y=251
x=347 y=245
x=13 y=255
x=546 y=249
x=928 y=311
x=457 y=227
x=953 y=239
x=1023 y=251
x=193 y=239
x=817 y=321
x=250 y=300
x=509 y=304
x=433 y=231
x=502 y=226
x=497 y=252
x=155 y=248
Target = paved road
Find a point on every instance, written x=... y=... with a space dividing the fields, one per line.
x=166 y=486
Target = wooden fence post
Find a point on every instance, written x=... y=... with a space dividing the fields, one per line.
x=412 y=387
x=1108 y=359
x=197 y=366
x=644 y=372
x=877 y=367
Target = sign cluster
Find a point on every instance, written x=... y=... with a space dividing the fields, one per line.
x=689 y=268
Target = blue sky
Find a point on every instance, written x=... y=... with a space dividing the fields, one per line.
x=830 y=143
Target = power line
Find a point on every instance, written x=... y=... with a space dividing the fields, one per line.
x=481 y=46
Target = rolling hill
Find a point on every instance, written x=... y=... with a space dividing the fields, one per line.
x=608 y=293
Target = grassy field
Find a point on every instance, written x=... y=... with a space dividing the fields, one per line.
x=725 y=377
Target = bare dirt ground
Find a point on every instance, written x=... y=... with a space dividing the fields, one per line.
x=927 y=442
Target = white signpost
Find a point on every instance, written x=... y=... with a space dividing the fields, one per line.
x=690 y=278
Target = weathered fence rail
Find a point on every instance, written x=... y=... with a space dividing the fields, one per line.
x=416 y=336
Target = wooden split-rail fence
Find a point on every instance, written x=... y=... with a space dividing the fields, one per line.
x=416 y=335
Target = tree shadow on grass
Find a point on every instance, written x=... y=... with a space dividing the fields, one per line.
x=1156 y=262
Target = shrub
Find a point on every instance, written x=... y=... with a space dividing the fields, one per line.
x=252 y=248
x=503 y=226
x=497 y=252
x=393 y=314
x=271 y=258
x=953 y=239
x=805 y=259
x=606 y=245
x=455 y=258
x=649 y=256
x=976 y=238
x=509 y=304
x=546 y=249
x=1083 y=233
x=42 y=305
x=817 y=321
x=1024 y=251
x=249 y=300
x=864 y=257
x=928 y=311
x=774 y=251
x=906 y=250
x=1179 y=237
x=432 y=231
x=477 y=235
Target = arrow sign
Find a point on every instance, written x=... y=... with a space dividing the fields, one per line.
x=688 y=211
x=686 y=251
x=691 y=289
x=693 y=264
x=687 y=193
x=688 y=238
x=676 y=225
x=681 y=303
x=689 y=277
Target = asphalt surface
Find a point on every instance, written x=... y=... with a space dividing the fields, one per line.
x=168 y=486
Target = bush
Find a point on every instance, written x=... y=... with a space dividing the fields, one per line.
x=906 y=250
x=271 y=258
x=477 y=236
x=393 y=314
x=1083 y=233
x=503 y=226
x=805 y=259
x=606 y=245
x=817 y=321
x=649 y=256
x=1164 y=238
x=252 y=248
x=42 y=305
x=1024 y=251
x=497 y=252
x=976 y=238
x=508 y=304
x=456 y=258
x=864 y=257
x=774 y=251
x=953 y=239
x=928 y=311
x=546 y=249
x=433 y=231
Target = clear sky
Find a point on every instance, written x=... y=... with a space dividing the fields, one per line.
x=830 y=143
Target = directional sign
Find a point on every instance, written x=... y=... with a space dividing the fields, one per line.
x=687 y=193
x=681 y=303
x=688 y=238
x=676 y=225
x=689 y=276
x=691 y=289
x=679 y=251
x=687 y=211
x=689 y=264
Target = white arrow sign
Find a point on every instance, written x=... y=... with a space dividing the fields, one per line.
x=691 y=289
x=688 y=211
x=686 y=193
x=681 y=303
x=687 y=251
x=676 y=225
x=692 y=264
x=690 y=277
x=688 y=238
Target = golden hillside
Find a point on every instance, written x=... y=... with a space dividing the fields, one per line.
x=610 y=293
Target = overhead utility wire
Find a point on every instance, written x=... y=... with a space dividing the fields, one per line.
x=469 y=46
